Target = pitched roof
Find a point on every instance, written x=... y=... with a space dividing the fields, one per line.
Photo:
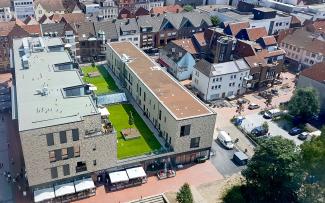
x=236 y=27
x=108 y=27
x=126 y=25
x=44 y=20
x=167 y=9
x=32 y=29
x=68 y=17
x=141 y=12
x=58 y=5
x=305 y=40
x=6 y=27
x=317 y=26
x=255 y=61
x=4 y=3
x=30 y=21
x=295 y=20
x=85 y=30
x=268 y=40
x=255 y=33
x=186 y=44
x=60 y=28
x=200 y=37
x=315 y=72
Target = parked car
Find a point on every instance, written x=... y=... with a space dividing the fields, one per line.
x=241 y=101
x=303 y=136
x=225 y=140
x=240 y=158
x=253 y=106
x=259 y=131
x=295 y=131
x=273 y=113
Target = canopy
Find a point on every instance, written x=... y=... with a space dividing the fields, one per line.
x=44 y=194
x=137 y=172
x=84 y=184
x=103 y=111
x=92 y=87
x=119 y=176
x=64 y=189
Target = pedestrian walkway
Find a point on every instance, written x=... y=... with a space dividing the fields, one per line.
x=5 y=186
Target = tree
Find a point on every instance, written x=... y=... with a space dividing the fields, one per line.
x=93 y=62
x=265 y=125
x=235 y=194
x=273 y=174
x=184 y=195
x=304 y=103
x=188 y=8
x=131 y=119
x=215 y=20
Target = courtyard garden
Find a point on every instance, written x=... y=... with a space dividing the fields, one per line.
x=99 y=77
x=143 y=144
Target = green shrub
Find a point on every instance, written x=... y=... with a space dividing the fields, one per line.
x=234 y=195
x=184 y=195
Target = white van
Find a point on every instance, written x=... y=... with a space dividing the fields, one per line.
x=272 y=113
x=225 y=139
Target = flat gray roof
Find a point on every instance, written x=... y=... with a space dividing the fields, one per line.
x=37 y=111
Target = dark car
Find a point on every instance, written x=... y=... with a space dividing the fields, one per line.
x=259 y=131
x=295 y=131
x=303 y=136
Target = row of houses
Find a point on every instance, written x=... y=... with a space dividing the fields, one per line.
x=223 y=62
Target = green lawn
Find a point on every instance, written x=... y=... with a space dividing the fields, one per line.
x=135 y=147
x=104 y=82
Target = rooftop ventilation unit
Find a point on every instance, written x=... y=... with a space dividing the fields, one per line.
x=125 y=58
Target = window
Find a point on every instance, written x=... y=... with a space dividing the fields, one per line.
x=54 y=172
x=75 y=134
x=49 y=139
x=219 y=86
x=66 y=170
x=159 y=116
x=70 y=152
x=64 y=153
x=58 y=154
x=195 y=142
x=94 y=148
x=212 y=87
x=63 y=137
x=52 y=156
x=94 y=162
x=144 y=96
x=185 y=130
x=76 y=151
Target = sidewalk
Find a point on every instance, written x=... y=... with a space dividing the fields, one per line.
x=5 y=187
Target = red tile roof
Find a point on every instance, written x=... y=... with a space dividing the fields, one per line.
x=236 y=27
x=255 y=33
x=186 y=44
x=269 y=40
x=68 y=17
x=200 y=38
x=167 y=9
x=315 y=72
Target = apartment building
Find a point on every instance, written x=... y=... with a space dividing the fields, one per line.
x=271 y=19
x=178 y=58
x=314 y=77
x=303 y=48
x=23 y=8
x=158 y=30
x=59 y=124
x=185 y=123
x=6 y=13
x=220 y=80
x=128 y=30
x=50 y=7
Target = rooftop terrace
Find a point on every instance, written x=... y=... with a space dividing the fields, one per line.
x=42 y=97
x=177 y=100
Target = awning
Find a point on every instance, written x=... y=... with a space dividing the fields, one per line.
x=137 y=172
x=64 y=189
x=119 y=176
x=103 y=111
x=44 y=194
x=84 y=184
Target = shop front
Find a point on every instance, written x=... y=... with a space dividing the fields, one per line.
x=44 y=195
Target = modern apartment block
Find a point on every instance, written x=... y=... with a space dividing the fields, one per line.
x=23 y=8
x=59 y=124
x=185 y=123
x=6 y=13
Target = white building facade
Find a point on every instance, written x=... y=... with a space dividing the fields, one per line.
x=217 y=81
x=23 y=8
x=5 y=11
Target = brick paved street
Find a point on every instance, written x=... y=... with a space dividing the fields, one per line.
x=195 y=176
